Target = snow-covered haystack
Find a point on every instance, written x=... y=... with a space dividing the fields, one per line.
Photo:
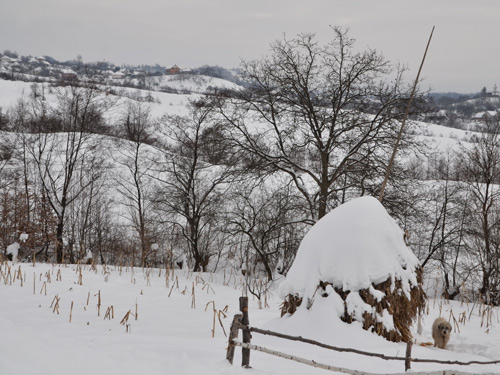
x=356 y=256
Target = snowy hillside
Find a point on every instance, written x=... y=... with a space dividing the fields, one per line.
x=160 y=103
x=188 y=82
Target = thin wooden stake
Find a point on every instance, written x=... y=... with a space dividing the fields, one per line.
x=408 y=356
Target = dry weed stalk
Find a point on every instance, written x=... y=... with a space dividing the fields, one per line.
x=88 y=298
x=110 y=314
x=126 y=318
x=217 y=314
x=266 y=305
x=59 y=276
x=193 y=301
x=8 y=277
x=71 y=312
x=98 y=303
x=462 y=318
x=207 y=285
x=173 y=285
x=199 y=280
x=456 y=327
x=136 y=308
x=56 y=306
x=487 y=315
x=34 y=282
x=44 y=286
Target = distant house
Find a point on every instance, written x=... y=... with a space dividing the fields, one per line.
x=118 y=75
x=173 y=70
x=438 y=116
x=485 y=116
x=68 y=75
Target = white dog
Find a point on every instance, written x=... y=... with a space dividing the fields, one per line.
x=441 y=331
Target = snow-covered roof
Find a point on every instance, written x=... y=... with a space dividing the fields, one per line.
x=354 y=246
x=485 y=114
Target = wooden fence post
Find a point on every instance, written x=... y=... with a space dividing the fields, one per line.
x=233 y=333
x=408 y=356
x=245 y=352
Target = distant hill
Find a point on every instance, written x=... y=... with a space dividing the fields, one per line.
x=203 y=79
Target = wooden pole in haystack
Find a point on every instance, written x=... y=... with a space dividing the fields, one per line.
x=407 y=111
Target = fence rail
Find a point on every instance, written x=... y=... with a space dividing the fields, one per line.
x=241 y=322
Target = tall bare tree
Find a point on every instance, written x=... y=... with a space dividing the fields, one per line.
x=192 y=187
x=264 y=213
x=323 y=114
x=136 y=124
x=64 y=150
x=482 y=172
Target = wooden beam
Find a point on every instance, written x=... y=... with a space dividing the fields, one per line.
x=344 y=370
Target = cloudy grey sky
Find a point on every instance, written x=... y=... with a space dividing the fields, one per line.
x=464 y=55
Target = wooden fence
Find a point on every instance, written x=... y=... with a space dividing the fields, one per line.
x=241 y=322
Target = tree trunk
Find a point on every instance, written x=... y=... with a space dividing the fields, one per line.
x=59 y=241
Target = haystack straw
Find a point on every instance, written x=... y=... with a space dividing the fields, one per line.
x=403 y=310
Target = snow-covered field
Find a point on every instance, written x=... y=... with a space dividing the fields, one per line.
x=172 y=331
x=172 y=335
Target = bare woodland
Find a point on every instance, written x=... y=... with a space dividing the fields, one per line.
x=237 y=181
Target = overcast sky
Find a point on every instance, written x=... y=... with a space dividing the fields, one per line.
x=464 y=54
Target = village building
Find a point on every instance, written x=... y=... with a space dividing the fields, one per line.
x=68 y=75
x=173 y=70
